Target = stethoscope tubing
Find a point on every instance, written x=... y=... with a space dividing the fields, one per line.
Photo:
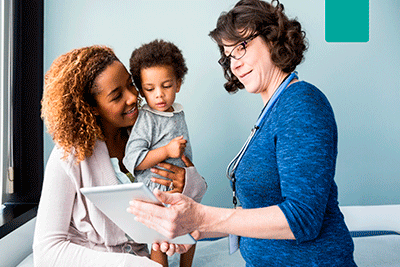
x=230 y=171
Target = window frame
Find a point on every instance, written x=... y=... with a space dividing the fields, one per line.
x=27 y=126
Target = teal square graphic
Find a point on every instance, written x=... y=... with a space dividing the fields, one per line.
x=347 y=20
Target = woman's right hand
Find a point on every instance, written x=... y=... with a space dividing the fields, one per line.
x=173 y=173
x=183 y=216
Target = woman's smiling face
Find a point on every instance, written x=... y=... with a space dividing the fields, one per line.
x=255 y=69
x=116 y=97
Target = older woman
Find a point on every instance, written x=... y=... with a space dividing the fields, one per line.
x=89 y=105
x=284 y=175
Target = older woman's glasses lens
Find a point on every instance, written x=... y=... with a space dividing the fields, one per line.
x=237 y=53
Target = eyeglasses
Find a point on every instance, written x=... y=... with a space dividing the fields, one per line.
x=237 y=53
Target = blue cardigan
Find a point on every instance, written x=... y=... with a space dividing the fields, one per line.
x=291 y=163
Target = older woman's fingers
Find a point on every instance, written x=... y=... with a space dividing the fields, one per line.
x=181 y=217
x=153 y=216
x=171 y=250
x=153 y=222
x=164 y=247
x=156 y=246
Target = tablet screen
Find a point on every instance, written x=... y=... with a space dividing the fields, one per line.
x=113 y=201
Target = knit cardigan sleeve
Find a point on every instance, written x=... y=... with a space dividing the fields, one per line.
x=306 y=150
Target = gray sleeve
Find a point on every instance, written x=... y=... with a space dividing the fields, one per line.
x=139 y=142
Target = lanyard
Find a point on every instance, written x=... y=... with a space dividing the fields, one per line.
x=230 y=171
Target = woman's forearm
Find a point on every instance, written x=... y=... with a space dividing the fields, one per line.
x=265 y=223
x=184 y=215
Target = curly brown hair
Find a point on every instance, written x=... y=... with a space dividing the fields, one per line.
x=68 y=99
x=157 y=53
x=248 y=18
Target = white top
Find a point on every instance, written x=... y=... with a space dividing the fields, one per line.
x=71 y=231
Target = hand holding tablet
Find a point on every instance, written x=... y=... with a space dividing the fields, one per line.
x=113 y=201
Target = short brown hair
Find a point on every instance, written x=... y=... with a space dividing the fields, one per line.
x=68 y=99
x=284 y=37
x=157 y=53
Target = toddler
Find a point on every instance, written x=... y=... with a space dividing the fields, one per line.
x=160 y=132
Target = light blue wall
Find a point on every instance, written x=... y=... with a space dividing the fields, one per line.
x=361 y=80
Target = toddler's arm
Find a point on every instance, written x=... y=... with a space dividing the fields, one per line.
x=174 y=149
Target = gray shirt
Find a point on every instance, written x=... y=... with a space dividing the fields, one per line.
x=154 y=129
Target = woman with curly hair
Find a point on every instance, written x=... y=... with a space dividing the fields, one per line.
x=89 y=106
x=284 y=174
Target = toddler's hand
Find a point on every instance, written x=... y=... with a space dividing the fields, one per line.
x=176 y=147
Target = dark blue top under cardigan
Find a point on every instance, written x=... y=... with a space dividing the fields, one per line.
x=291 y=163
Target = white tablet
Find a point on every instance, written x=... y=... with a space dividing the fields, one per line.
x=113 y=201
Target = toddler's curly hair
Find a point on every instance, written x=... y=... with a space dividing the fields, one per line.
x=68 y=99
x=154 y=54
